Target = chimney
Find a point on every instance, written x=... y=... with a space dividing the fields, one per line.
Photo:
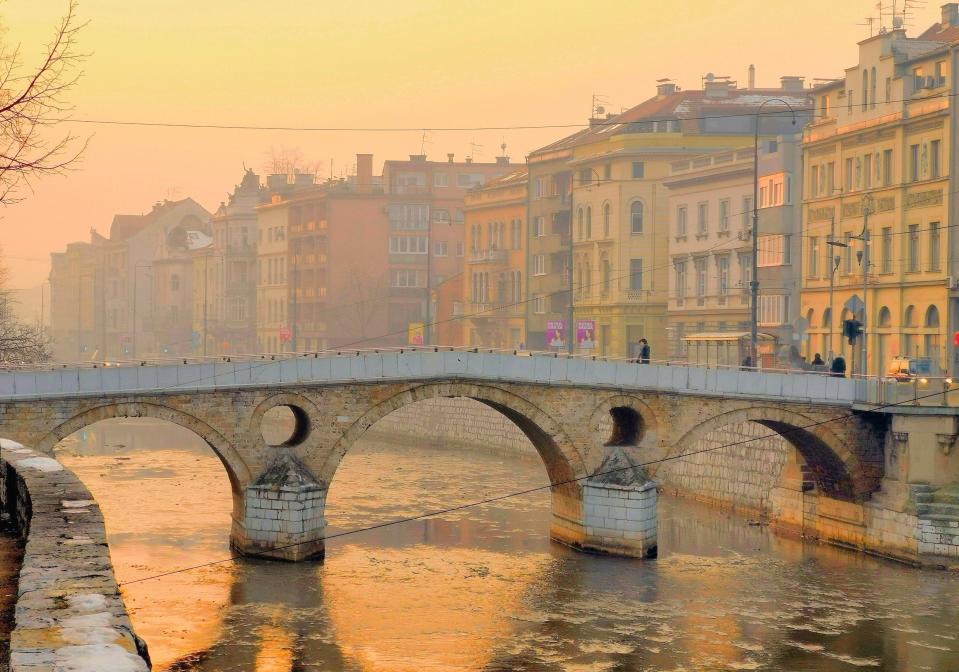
x=364 y=173
x=469 y=159
x=752 y=76
x=302 y=179
x=950 y=14
x=791 y=83
x=665 y=87
x=449 y=157
x=276 y=181
x=502 y=160
x=417 y=158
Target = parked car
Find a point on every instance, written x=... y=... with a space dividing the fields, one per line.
x=907 y=369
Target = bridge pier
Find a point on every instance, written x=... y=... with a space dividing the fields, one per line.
x=618 y=511
x=281 y=516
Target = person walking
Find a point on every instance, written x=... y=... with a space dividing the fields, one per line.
x=817 y=360
x=644 y=351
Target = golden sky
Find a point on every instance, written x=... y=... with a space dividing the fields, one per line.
x=375 y=63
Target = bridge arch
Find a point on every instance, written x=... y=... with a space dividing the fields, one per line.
x=837 y=470
x=236 y=468
x=562 y=459
x=624 y=420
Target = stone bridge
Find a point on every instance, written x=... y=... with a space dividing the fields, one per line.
x=585 y=417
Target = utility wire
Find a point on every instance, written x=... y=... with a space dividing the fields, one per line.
x=520 y=127
x=520 y=493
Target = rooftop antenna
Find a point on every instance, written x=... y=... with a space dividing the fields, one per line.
x=598 y=107
x=424 y=141
x=473 y=148
x=870 y=20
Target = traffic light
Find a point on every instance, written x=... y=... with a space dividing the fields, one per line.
x=852 y=329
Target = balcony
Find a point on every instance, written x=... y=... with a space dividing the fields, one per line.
x=487 y=256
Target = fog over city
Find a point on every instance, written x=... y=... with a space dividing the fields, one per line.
x=428 y=335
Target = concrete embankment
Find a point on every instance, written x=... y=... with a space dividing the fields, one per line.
x=69 y=612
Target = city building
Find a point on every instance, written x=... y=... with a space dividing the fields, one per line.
x=425 y=202
x=496 y=262
x=102 y=293
x=618 y=205
x=710 y=249
x=173 y=291
x=878 y=159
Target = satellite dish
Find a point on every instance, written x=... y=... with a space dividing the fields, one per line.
x=600 y=109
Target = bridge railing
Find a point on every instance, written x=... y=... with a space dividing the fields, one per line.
x=876 y=390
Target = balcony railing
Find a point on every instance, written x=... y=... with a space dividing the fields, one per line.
x=479 y=256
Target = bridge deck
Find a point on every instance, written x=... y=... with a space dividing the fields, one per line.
x=425 y=364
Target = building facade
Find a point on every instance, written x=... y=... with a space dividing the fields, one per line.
x=880 y=166
x=710 y=247
x=496 y=264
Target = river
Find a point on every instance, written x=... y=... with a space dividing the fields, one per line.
x=484 y=588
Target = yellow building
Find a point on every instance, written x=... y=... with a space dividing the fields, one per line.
x=496 y=263
x=876 y=162
x=619 y=203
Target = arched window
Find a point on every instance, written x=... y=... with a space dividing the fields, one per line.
x=579 y=224
x=932 y=317
x=589 y=222
x=588 y=284
x=606 y=220
x=909 y=317
x=872 y=88
x=810 y=314
x=175 y=282
x=607 y=275
x=827 y=318
x=885 y=317
x=636 y=217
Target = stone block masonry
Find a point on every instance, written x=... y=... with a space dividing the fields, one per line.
x=69 y=612
x=620 y=519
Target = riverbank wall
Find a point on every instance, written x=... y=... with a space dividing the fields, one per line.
x=69 y=612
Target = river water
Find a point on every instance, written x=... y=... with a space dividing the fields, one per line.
x=485 y=589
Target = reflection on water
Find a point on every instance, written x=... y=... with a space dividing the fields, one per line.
x=484 y=589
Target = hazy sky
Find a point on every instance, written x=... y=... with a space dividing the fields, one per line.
x=383 y=63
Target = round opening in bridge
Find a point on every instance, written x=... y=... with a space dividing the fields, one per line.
x=285 y=426
x=627 y=427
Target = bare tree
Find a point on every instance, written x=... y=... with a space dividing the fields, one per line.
x=20 y=343
x=32 y=103
x=289 y=160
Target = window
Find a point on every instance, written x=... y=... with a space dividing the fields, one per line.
x=934 y=158
x=408 y=245
x=701 y=281
x=636 y=217
x=772 y=309
x=865 y=90
x=771 y=251
x=814 y=181
x=867 y=171
x=441 y=216
x=440 y=248
x=516 y=234
x=886 y=167
x=407 y=278
x=913 y=247
x=702 y=214
x=888 y=89
x=639 y=170
x=607 y=276
x=175 y=282
x=539 y=264
x=608 y=171
x=539 y=187
x=747 y=211
x=847 y=254
x=724 y=215
x=408 y=216
x=459 y=248
x=636 y=274
x=589 y=222
x=830 y=178
x=872 y=88
x=934 y=246
x=940 y=73
x=539 y=304
x=579 y=224
x=680 y=282
x=913 y=163
x=539 y=226
x=606 y=213
x=847 y=177
x=585 y=175
x=463 y=180
x=441 y=180
x=813 y=265
x=887 y=249
x=722 y=267
x=681 y=220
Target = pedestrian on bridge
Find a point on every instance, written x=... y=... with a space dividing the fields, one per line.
x=838 y=368
x=644 y=351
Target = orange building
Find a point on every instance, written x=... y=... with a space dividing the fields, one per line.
x=495 y=276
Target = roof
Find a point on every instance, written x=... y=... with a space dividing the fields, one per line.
x=940 y=33
x=515 y=177
x=725 y=336
x=677 y=106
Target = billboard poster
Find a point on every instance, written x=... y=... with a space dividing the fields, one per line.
x=415 y=333
x=556 y=333
x=586 y=334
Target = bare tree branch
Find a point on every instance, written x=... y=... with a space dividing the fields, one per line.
x=19 y=343
x=32 y=102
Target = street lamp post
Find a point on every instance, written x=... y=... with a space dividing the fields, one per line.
x=754 y=281
x=866 y=210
